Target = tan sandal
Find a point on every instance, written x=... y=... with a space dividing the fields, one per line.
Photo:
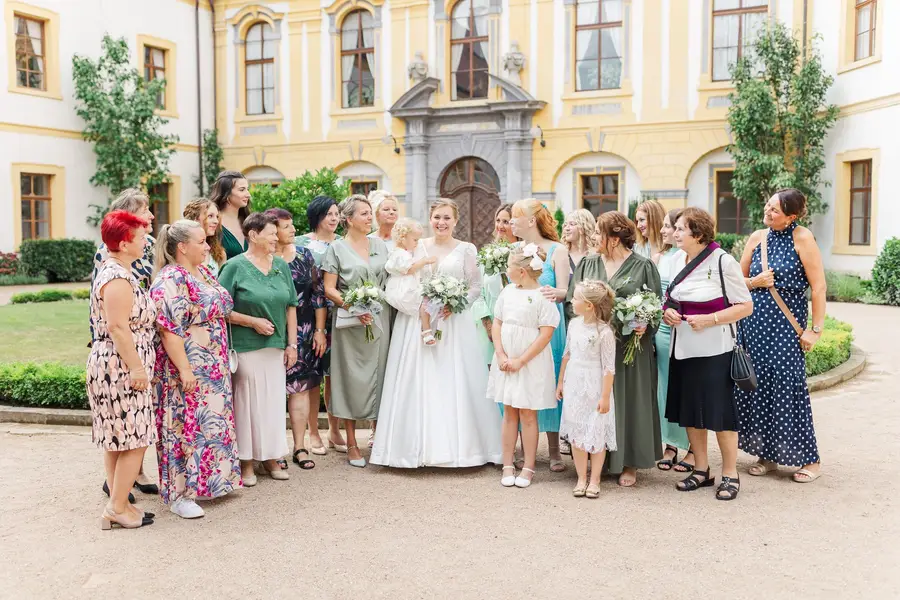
x=762 y=468
x=809 y=476
x=593 y=492
x=579 y=491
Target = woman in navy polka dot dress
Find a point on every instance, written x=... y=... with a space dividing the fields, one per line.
x=776 y=421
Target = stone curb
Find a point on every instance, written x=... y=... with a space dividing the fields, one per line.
x=841 y=373
x=60 y=416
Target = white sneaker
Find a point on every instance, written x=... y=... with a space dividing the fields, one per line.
x=187 y=509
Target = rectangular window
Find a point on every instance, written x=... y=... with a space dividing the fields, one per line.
x=865 y=28
x=159 y=205
x=600 y=193
x=30 y=55
x=860 y=202
x=731 y=213
x=259 y=65
x=736 y=23
x=598 y=45
x=363 y=187
x=35 y=206
x=155 y=68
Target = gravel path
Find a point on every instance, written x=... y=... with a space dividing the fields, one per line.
x=340 y=532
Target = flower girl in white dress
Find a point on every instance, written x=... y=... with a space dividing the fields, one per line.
x=402 y=289
x=522 y=373
x=589 y=417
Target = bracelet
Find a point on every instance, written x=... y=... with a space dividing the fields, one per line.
x=321 y=331
x=294 y=346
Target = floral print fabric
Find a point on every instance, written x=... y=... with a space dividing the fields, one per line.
x=309 y=369
x=122 y=418
x=197 y=444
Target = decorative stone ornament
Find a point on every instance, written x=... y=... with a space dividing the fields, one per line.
x=418 y=69
x=513 y=63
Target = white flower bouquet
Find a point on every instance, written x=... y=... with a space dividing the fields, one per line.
x=640 y=309
x=493 y=257
x=441 y=291
x=364 y=299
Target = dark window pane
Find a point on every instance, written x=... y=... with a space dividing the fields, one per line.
x=39 y=185
x=610 y=184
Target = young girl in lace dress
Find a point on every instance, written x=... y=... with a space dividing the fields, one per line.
x=402 y=290
x=589 y=417
x=522 y=372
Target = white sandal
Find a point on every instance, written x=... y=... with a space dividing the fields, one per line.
x=810 y=476
x=508 y=480
x=763 y=467
x=521 y=482
x=428 y=338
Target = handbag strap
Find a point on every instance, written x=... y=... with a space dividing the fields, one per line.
x=775 y=295
x=725 y=296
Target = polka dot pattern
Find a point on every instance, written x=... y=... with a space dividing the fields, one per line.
x=776 y=422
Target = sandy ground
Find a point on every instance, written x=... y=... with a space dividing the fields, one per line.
x=340 y=532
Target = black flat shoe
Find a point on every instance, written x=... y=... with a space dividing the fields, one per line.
x=682 y=466
x=691 y=483
x=146 y=520
x=729 y=488
x=666 y=464
x=305 y=463
x=106 y=491
x=147 y=488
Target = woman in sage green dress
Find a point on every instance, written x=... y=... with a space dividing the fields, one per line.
x=357 y=366
x=492 y=285
x=634 y=390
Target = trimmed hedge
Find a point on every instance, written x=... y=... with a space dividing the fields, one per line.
x=20 y=279
x=59 y=260
x=43 y=384
x=41 y=296
x=728 y=240
x=832 y=349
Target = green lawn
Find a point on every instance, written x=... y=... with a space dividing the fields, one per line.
x=52 y=331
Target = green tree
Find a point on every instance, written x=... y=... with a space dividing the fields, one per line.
x=560 y=217
x=119 y=111
x=779 y=119
x=213 y=155
x=294 y=195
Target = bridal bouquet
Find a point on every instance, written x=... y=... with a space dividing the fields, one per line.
x=441 y=291
x=643 y=308
x=364 y=299
x=493 y=257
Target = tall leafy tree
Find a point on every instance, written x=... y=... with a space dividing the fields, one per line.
x=119 y=111
x=779 y=119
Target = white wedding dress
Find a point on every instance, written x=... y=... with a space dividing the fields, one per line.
x=434 y=407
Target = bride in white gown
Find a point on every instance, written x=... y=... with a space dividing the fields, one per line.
x=434 y=408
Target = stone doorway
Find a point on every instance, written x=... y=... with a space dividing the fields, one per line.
x=474 y=185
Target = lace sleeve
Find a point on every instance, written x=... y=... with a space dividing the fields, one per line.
x=471 y=273
x=607 y=350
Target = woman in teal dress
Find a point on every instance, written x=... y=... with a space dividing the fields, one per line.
x=533 y=224
x=492 y=285
x=231 y=195
x=674 y=435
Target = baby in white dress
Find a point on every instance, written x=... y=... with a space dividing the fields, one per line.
x=402 y=290
x=586 y=381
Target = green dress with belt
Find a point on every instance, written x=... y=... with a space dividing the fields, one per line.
x=634 y=390
x=357 y=366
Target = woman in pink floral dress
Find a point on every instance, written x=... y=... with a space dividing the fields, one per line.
x=195 y=413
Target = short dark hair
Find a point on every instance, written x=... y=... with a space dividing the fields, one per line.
x=257 y=222
x=614 y=224
x=793 y=202
x=280 y=214
x=317 y=209
x=700 y=224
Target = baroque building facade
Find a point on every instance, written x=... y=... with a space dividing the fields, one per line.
x=579 y=103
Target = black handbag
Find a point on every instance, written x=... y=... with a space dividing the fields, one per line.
x=742 y=372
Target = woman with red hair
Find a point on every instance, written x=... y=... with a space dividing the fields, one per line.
x=122 y=357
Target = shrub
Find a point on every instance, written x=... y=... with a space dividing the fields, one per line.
x=43 y=384
x=728 y=240
x=294 y=195
x=560 y=217
x=59 y=260
x=83 y=294
x=886 y=272
x=9 y=263
x=737 y=251
x=21 y=279
x=844 y=287
x=832 y=349
x=41 y=296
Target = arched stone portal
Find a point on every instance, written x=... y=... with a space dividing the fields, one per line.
x=474 y=185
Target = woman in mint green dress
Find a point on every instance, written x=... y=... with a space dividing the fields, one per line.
x=673 y=435
x=492 y=285
x=533 y=224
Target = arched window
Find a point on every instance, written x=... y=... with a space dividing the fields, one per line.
x=469 y=50
x=358 y=59
x=598 y=45
x=259 y=65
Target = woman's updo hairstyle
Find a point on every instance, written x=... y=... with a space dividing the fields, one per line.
x=349 y=206
x=614 y=224
x=599 y=295
x=517 y=258
x=168 y=239
x=444 y=203
x=793 y=203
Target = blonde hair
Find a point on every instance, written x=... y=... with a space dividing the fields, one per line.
x=546 y=224
x=168 y=239
x=348 y=207
x=130 y=200
x=197 y=210
x=655 y=216
x=403 y=228
x=517 y=258
x=600 y=296
x=585 y=222
x=444 y=203
x=378 y=197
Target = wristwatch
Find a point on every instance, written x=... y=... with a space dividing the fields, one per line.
x=294 y=346
x=321 y=331
x=816 y=329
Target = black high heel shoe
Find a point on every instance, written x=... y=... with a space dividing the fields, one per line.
x=147 y=488
x=106 y=491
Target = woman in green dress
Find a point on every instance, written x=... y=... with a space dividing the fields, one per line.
x=357 y=366
x=492 y=285
x=231 y=195
x=634 y=390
